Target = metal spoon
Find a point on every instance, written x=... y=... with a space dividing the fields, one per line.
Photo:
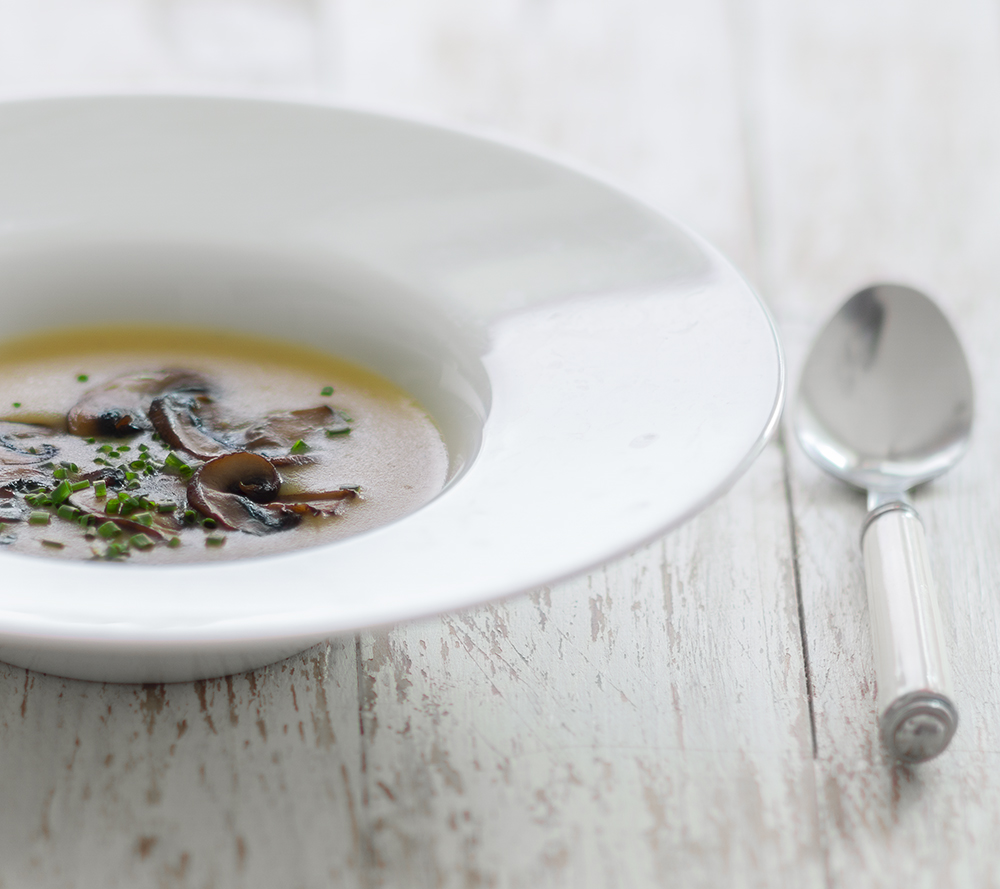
x=885 y=403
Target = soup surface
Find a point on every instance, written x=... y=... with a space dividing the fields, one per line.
x=163 y=445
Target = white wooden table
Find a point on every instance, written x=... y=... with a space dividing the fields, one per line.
x=700 y=713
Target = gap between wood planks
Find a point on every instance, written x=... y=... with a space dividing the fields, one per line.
x=786 y=481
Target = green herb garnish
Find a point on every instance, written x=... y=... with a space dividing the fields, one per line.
x=108 y=530
x=116 y=550
x=61 y=492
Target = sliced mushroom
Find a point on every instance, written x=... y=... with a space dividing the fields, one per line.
x=282 y=430
x=348 y=492
x=176 y=420
x=119 y=407
x=22 y=444
x=240 y=491
x=231 y=488
x=12 y=509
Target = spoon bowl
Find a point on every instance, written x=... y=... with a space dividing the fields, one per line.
x=886 y=403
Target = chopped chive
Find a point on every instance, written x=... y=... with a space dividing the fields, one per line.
x=82 y=378
x=55 y=544
x=144 y=447
x=39 y=518
x=141 y=541
x=137 y=464
x=134 y=485
x=122 y=448
x=166 y=506
x=130 y=476
x=338 y=430
x=84 y=520
x=214 y=541
x=300 y=447
x=66 y=511
x=108 y=530
x=59 y=473
x=143 y=518
x=174 y=462
x=106 y=449
x=174 y=542
x=61 y=492
x=209 y=523
x=113 y=507
x=115 y=550
x=326 y=390
x=101 y=488
x=190 y=515
x=91 y=440
x=17 y=404
x=80 y=485
x=69 y=467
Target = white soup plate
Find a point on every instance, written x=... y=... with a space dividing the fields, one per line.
x=598 y=373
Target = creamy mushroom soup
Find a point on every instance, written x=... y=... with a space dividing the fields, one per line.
x=159 y=445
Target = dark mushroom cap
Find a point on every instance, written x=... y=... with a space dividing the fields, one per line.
x=174 y=417
x=282 y=430
x=231 y=489
x=119 y=407
x=241 y=492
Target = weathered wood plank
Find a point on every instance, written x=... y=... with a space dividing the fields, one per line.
x=250 y=780
x=877 y=129
x=641 y=91
x=643 y=725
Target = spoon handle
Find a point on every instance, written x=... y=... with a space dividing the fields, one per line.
x=916 y=715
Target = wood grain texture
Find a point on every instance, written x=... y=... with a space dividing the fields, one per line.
x=246 y=780
x=610 y=731
x=650 y=723
x=878 y=131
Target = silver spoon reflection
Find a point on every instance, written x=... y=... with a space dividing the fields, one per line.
x=885 y=403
